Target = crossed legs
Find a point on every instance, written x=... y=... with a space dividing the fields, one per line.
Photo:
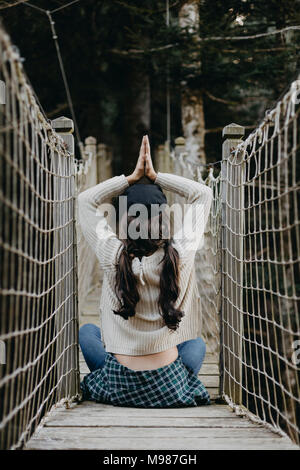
x=191 y=351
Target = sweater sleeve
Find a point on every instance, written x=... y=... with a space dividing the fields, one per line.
x=190 y=222
x=95 y=228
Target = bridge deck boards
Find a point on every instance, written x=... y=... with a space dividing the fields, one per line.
x=98 y=426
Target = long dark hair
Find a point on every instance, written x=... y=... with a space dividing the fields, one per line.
x=126 y=282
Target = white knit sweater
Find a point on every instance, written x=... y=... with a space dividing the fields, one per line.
x=146 y=332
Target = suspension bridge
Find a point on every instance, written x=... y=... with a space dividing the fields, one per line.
x=248 y=280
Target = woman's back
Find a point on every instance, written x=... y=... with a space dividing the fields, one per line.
x=145 y=332
x=144 y=352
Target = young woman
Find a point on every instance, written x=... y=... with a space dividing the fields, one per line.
x=148 y=350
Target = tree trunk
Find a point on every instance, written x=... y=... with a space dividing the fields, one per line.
x=192 y=109
x=136 y=115
x=193 y=124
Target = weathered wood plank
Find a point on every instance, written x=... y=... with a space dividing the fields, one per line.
x=211 y=359
x=210 y=369
x=210 y=380
x=88 y=408
x=119 y=432
x=95 y=426
x=89 y=318
x=178 y=443
x=143 y=422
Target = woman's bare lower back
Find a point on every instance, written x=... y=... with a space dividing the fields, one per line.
x=149 y=361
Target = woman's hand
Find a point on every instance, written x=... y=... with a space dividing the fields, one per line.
x=144 y=164
x=140 y=166
x=149 y=170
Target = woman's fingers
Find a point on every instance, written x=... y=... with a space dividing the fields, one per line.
x=148 y=153
x=142 y=148
x=141 y=160
x=149 y=170
x=146 y=149
x=147 y=146
x=139 y=171
x=145 y=153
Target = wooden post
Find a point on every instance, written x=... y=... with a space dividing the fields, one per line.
x=90 y=146
x=159 y=159
x=179 y=146
x=64 y=189
x=109 y=158
x=86 y=262
x=90 y=151
x=93 y=275
x=101 y=162
x=232 y=173
x=168 y=162
x=65 y=128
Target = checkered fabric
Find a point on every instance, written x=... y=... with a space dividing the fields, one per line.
x=174 y=385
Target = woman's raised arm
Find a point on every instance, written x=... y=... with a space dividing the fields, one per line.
x=95 y=228
x=190 y=225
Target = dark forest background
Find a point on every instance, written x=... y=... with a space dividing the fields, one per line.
x=119 y=54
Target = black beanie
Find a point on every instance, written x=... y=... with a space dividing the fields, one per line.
x=147 y=194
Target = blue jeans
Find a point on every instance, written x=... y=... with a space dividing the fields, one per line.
x=192 y=352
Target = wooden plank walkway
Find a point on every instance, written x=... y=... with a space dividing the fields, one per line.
x=105 y=427
x=97 y=426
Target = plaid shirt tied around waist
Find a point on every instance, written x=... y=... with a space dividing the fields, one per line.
x=174 y=385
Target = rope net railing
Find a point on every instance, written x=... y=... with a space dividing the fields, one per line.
x=260 y=268
x=38 y=323
x=248 y=268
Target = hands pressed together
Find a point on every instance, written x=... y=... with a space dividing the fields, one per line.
x=144 y=166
